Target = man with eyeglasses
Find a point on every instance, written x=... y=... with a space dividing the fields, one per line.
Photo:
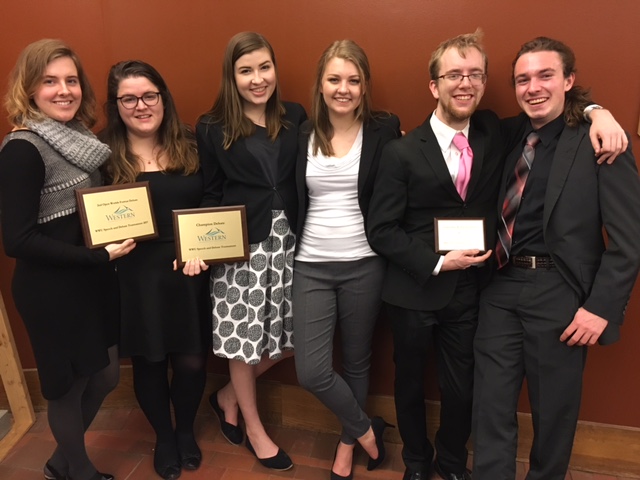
x=560 y=287
x=450 y=166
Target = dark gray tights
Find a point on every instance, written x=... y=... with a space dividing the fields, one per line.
x=70 y=416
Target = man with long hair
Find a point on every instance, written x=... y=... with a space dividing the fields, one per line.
x=560 y=287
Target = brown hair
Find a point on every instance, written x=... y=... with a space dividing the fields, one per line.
x=322 y=128
x=462 y=43
x=577 y=98
x=227 y=108
x=173 y=137
x=27 y=75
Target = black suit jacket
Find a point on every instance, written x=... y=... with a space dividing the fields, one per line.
x=236 y=177
x=582 y=198
x=413 y=186
x=375 y=135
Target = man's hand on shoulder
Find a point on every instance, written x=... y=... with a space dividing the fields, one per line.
x=462 y=259
x=585 y=329
x=607 y=136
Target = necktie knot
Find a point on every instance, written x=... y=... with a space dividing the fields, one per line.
x=532 y=139
x=460 y=141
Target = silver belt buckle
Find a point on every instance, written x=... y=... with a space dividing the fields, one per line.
x=533 y=262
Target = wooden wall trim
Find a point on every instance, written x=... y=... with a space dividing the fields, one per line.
x=14 y=387
x=598 y=448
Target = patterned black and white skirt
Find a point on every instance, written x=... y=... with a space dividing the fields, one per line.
x=252 y=300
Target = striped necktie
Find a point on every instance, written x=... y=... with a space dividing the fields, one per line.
x=512 y=199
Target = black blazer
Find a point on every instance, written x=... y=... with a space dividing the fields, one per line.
x=582 y=197
x=413 y=186
x=235 y=177
x=375 y=135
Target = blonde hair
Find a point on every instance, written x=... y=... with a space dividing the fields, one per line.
x=27 y=75
x=322 y=128
x=461 y=43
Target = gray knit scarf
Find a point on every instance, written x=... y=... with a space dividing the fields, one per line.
x=71 y=154
x=75 y=142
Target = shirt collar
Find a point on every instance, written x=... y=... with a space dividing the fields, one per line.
x=444 y=133
x=549 y=131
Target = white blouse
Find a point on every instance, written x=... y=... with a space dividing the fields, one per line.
x=334 y=226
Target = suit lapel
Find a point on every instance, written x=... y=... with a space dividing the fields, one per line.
x=285 y=141
x=301 y=165
x=433 y=154
x=477 y=144
x=370 y=140
x=563 y=159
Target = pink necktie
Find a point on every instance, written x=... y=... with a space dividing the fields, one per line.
x=466 y=160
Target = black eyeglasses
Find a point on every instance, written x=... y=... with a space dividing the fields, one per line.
x=475 y=79
x=131 y=101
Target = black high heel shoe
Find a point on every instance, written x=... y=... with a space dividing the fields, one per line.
x=232 y=433
x=378 y=426
x=280 y=461
x=334 y=475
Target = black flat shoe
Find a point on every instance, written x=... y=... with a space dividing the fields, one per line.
x=165 y=461
x=280 y=461
x=190 y=453
x=51 y=473
x=334 y=475
x=233 y=433
x=378 y=426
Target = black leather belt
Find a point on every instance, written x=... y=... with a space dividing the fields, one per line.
x=525 y=261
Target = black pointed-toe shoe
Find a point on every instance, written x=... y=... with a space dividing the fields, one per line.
x=233 y=433
x=280 y=461
x=378 y=425
x=334 y=475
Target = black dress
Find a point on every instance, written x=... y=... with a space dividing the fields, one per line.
x=163 y=311
x=65 y=293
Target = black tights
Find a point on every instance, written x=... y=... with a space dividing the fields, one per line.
x=70 y=416
x=154 y=392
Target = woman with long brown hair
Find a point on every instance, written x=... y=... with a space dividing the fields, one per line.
x=247 y=144
x=165 y=315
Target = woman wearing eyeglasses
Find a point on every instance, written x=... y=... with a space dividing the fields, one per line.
x=165 y=315
x=247 y=145
x=64 y=291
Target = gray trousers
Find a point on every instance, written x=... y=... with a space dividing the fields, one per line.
x=347 y=294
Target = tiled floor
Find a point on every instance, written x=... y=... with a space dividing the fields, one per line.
x=120 y=442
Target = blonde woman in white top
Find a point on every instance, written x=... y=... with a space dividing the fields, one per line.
x=338 y=278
